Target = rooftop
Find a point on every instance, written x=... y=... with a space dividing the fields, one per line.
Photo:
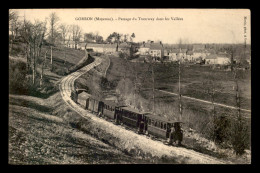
x=189 y=52
x=154 y=46
x=211 y=56
x=101 y=45
x=159 y=118
x=124 y=45
x=95 y=98
x=133 y=110
x=112 y=103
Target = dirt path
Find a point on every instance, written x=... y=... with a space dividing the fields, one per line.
x=204 y=101
x=128 y=139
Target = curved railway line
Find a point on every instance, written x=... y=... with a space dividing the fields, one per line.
x=67 y=85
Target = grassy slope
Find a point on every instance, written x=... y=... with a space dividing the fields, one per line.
x=39 y=135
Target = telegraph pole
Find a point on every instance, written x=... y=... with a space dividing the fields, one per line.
x=153 y=89
x=180 y=105
x=135 y=87
x=51 y=59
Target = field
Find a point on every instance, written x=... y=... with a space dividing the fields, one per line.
x=195 y=80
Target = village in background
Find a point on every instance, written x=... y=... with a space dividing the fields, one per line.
x=203 y=54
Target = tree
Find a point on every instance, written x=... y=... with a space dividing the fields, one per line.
x=114 y=38
x=99 y=39
x=33 y=35
x=211 y=87
x=76 y=34
x=89 y=37
x=53 y=20
x=13 y=26
x=64 y=30
x=125 y=38
x=132 y=37
x=240 y=137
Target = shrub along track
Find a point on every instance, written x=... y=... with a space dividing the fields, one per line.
x=126 y=140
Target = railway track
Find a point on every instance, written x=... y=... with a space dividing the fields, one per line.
x=67 y=85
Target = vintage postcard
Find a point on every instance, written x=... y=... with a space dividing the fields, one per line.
x=129 y=86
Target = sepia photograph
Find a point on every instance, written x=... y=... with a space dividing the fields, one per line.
x=95 y=86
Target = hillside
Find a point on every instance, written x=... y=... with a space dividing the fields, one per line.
x=40 y=135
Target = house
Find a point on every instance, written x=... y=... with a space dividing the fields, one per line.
x=211 y=59
x=199 y=54
x=134 y=47
x=156 y=50
x=101 y=48
x=182 y=54
x=125 y=48
x=81 y=46
x=189 y=55
x=153 y=49
x=173 y=54
x=144 y=49
x=95 y=47
x=166 y=52
x=71 y=44
x=109 y=48
x=177 y=54
x=221 y=59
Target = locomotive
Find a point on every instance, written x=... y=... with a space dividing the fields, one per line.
x=141 y=122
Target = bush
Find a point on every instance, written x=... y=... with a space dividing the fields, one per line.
x=123 y=55
x=17 y=49
x=39 y=60
x=229 y=132
x=221 y=130
x=61 y=71
x=240 y=137
x=104 y=83
x=17 y=77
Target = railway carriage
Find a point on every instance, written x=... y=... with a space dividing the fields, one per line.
x=83 y=98
x=94 y=104
x=133 y=118
x=158 y=126
x=111 y=109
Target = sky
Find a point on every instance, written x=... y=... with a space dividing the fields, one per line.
x=193 y=26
